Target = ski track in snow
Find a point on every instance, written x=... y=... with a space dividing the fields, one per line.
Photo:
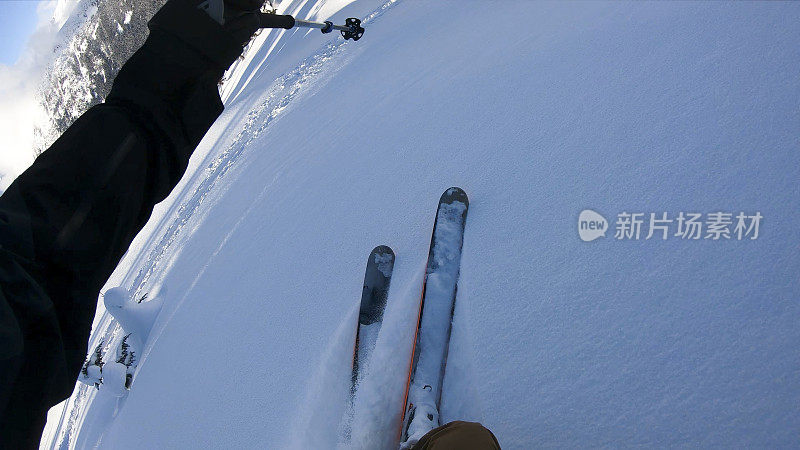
x=326 y=392
x=282 y=92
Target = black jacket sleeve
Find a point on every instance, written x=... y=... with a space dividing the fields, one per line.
x=67 y=221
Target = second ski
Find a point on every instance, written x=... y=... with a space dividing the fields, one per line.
x=429 y=356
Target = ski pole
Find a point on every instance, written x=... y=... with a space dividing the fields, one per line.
x=351 y=29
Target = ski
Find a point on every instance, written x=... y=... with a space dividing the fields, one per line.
x=377 y=277
x=374 y=293
x=429 y=352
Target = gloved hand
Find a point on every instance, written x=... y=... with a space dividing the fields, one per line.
x=171 y=82
x=237 y=16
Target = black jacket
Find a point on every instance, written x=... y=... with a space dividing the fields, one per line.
x=67 y=221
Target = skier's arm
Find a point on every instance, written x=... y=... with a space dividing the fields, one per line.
x=67 y=221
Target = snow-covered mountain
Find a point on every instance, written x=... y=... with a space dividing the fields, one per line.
x=539 y=111
x=94 y=39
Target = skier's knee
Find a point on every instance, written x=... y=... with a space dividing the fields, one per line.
x=458 y=435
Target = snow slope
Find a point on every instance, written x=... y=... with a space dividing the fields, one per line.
x=328 y=148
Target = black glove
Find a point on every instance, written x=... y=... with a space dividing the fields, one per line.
x=230 y=12
x=238 y=17
x=171 y=81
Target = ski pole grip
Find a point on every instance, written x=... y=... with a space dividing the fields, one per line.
x=267 y=20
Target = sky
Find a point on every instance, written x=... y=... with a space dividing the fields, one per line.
x=18 y=19
x=27 y=36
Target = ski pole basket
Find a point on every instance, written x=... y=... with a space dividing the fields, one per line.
x=351 y=29
x=356 y=30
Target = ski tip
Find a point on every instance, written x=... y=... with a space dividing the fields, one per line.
x=454 y=194
x=382 y=249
